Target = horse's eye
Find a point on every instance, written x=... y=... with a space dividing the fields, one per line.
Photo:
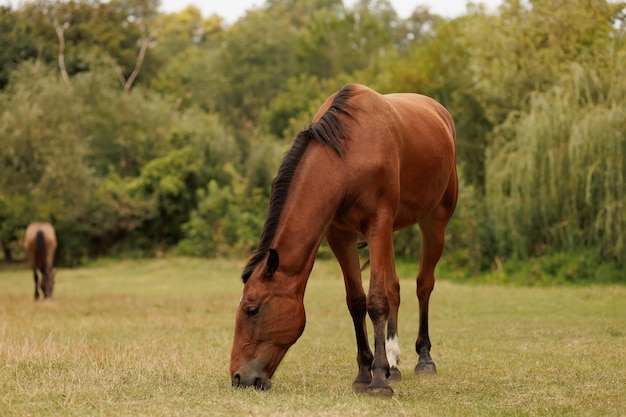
x=252 y=311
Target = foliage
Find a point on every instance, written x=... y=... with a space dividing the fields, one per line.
x=338 y=41
x=578 y=267
x=229 y=219
x=43 y=163
x=136 y=131
x=97 y=184
x=242 y=94
x=188 y=46
x=282 y=117
x=228 y=222
x=558 y=180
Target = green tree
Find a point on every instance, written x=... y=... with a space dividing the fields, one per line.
x=188 y=45
x=44 y=170
x=293 y=107
x=339 y=40
x=228 y=221
x=253 y=68
x=527 y=48
x=437 y=65
x=68 y=33
x=16 y=43
x=556 y=178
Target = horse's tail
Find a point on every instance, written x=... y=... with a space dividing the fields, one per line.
x=41 y=240
x=40 y=250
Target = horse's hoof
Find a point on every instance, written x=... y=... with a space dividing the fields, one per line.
x=380 y=392
x=360 y=387
x=425 y=368
x=394 y=374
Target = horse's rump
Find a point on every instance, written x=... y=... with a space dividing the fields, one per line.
x=40 y=243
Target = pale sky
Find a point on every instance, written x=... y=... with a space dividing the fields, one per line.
x=231 y=10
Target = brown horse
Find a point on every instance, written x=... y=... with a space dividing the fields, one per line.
x=40 y=243
x=369 y=164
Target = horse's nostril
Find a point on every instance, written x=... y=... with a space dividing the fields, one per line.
x=262 y=384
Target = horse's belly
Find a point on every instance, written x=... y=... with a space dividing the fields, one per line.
x=408 y=215
x=419 y=196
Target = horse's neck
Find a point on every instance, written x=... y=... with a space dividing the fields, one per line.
x=313 y=198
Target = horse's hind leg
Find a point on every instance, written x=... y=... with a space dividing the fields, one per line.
x=344 y=247
x=433 y=233
x=36 y=283
x=45 y=283
x=431 y=249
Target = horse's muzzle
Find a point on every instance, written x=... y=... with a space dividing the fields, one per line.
x=260 y=382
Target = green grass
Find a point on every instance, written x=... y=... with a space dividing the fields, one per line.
x=153 y=338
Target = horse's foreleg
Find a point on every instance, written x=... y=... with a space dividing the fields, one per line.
x=376 y=308
x=392 y=346
x=46 y=284
x=50 y=271
x=344 y=248
x=380 y=240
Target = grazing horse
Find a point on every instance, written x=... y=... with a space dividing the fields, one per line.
x=40 y=243
x=368 y=165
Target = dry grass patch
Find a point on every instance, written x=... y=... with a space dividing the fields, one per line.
x=152 y=338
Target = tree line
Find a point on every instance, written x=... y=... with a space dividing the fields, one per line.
x=137 y=132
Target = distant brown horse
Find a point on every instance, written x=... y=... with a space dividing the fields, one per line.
x=369 y=164
x=40 y=243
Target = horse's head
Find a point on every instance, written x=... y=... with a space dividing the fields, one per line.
x=270 y=318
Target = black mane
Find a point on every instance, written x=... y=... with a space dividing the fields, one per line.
x=329 y=130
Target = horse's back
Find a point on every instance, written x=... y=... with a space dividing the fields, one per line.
x=414 y=126
x=421 y=113
x=409 y=141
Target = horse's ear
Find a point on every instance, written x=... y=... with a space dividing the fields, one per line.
x=272 y=263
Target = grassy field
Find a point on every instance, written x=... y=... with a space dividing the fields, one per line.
x=153 y=338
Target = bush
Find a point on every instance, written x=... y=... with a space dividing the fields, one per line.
x=577 y=267
x=227 y=222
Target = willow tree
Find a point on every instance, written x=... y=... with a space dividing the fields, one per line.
x=555 y=176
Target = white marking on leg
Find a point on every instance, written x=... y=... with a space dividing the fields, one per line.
x=392 y=347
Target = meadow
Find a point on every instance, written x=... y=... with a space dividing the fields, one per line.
x=153 y=338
